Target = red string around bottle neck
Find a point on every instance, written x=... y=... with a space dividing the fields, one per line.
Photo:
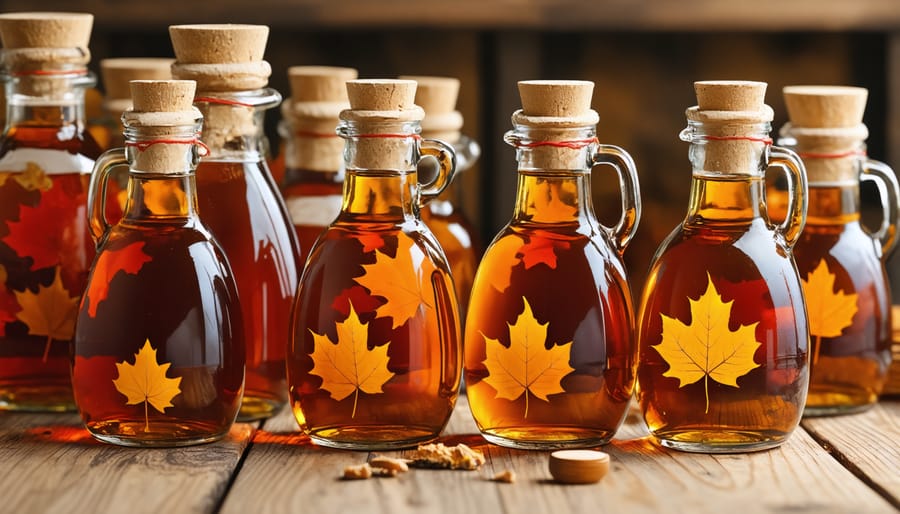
x=417 y=137
x=143 y=145
x=765 y=140
x=26 y=73
x=573 y=144
x=222 y=101
x=836 y=155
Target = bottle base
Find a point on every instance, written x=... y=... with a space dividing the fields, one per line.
x=37 y=399
x=161 y=434
x=835 y=403
x=373 y=437
x=547 y=438
x=721 y=441
x=817 y=411
x=254 y=408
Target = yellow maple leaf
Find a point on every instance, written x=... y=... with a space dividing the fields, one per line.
x=400 y=281
x=527 y=365
x=348 y=366
x=32 y=178
x=146 y=382
x=830 y=311
x=50 y=312
x=707 y=348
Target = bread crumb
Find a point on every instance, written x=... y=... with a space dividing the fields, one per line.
x=361 y=472
x=506 y=476
x=389 y=465
x=447 y=457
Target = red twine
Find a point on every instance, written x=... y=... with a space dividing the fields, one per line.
x=839 y=155
x=575 y=144
x=80 y=71
x=389 y=136
x=765 y=140
x=221 y=101
x=143 y=145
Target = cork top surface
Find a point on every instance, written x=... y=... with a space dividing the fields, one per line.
x=437 y=95
x=163 y=95
x=45 y=30
x=117 y=73
x=319 y=83
x=730 y=95
x=556 y=98
x=825 y=106
x=381 y=94
x=219 y=44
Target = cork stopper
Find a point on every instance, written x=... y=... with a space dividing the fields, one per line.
x=556 y=98
x=825 y=106
x=163 y=108
x=318 y=95
x=45 y=40
x=391 y=97
x=117 y=73
x=221 y=57
x=437 y=96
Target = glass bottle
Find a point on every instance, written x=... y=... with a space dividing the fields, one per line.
x=375 y=358
x=46 y=157
x=455 y=233
x=313 y=152
x=722 y=334
x=842 y=265
x=158 y=346
x=237 y=197
x=549 y=342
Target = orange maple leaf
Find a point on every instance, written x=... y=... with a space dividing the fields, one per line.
x=369 y=241
x=146 y=382
x=829 y=311
x=129 y=259
x=348 y=366
x=526 y=365
x=404 y=282
x=707 y=348
x=541 y=250
x=50 y=312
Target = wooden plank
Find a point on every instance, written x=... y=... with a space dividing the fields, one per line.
x=49 y=463
x=767 y=15
x=867 y=444
x=283 y=472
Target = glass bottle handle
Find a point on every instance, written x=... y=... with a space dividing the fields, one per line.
x=97 y=191
x=889 y=192
x=622 y=162
x=798 y=193
x=446 y=158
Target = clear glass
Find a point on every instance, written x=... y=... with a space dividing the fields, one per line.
x=374 y=362
x=722 y=334
x=552 y=290
x=239 y=202
x=46 y=157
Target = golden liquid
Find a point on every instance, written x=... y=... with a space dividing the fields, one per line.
x=423 y=352
x=724 y=242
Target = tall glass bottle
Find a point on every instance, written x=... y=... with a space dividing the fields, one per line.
x=549 y=342
x=237 y=197
x=313 y=152
x=443 y=215
x=46 y=157
x=842 y=266
x=723 y=337
x=374 y=361
x=158 y=346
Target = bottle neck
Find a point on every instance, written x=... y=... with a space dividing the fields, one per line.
x=311 y=146
x=48 y=101
x=160 y=197
x=233 y=123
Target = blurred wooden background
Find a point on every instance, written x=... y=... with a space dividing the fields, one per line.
x=643 y=56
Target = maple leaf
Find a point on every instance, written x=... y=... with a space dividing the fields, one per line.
x=8 y=304
x=129 y=259
x=399 y=280
x=50 y=312
x=369 y=241
x=355 y=295
x=32 y=178
x=707 y=348
x=46 y=232
x=527 y=365
x=547 y=203
x=348 y=366
x=830 y=311
x=540 y=250
x=146 y=382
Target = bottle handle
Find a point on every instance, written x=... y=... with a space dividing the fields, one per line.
x=630 y=190
x=798 y=193
x=446 y=158
x=889 y=192
x=96 y=201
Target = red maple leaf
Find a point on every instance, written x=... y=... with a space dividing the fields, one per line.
x=361 y=299
x=8 y=309
x=52 y=232
x=370 y=242
x=130 y=259
x=539 y=250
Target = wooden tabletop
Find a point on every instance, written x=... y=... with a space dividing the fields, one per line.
x=48 y=463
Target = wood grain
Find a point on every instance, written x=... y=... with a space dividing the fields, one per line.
x=867 y=443
x=49 y=463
